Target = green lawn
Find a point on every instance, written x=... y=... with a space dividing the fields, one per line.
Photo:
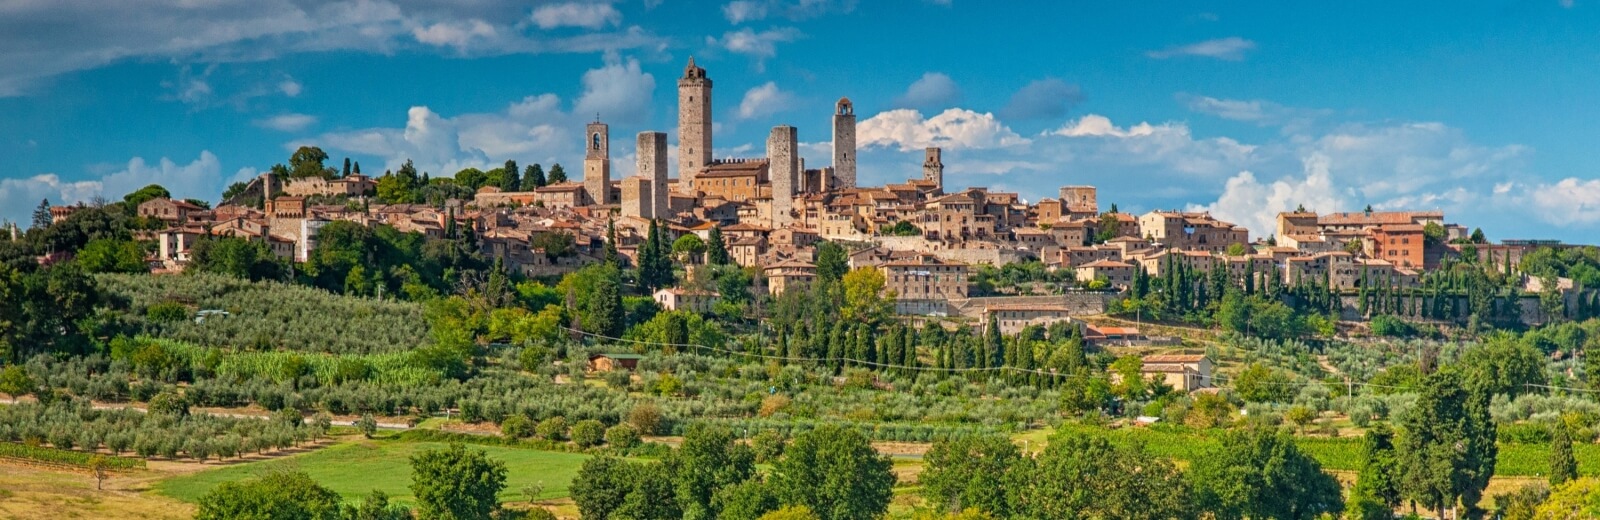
x=1514 y=460
x=354 y=469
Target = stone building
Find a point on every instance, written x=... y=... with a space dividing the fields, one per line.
x=844 y=144
x=168 y=210
x=783 y=148
x=653 y=166
x=597 y=163
x=923 y=284
x=933 y=167
x=732 y=180
x=694 y=125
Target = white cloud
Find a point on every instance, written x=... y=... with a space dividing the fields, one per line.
x=459 y=34
x=932 y=90
x=1048 y=98
x=287 y=122
x=1570 y=201
x=43 y=39
x=1232 y=49
x=200 y=178
x=1255 y=205
x=764 y=100
x=576 y=14
x=619 y=92
x=1257 y=111
x=740 y=11
x=757 y=45
x=1094 y=125
x=534 y=129
x=290 y=87
x=953 y=129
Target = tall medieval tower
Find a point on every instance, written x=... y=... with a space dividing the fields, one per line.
x=653 y=167
x=933 y=167
x=783 y=167
x=844 y=143
x=597 y=163
x=694 y=124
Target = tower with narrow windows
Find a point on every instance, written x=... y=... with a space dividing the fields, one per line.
x=933 y=166
x=783 y=169
x=694 y=124
x=597 y=163
x=653 y=167
x=844 y=143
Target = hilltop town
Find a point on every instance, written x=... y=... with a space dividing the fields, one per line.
x=769 y=212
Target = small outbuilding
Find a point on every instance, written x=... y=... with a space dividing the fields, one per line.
x=610 y=362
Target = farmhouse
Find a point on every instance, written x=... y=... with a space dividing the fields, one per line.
x=610 y=362
x=1182 y=372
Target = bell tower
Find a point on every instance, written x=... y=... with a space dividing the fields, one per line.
x=597 y=163
x=694 y=124
x=844 y=143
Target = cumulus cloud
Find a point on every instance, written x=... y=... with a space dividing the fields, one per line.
x=1255 y=205
x=535 y=129
x=741 y=11
x=459 y=34
x=200 y=178
x=932 y=90
x=587 y=15
x=764 y=100
x=620 y=91
x=1570 y=201
x=757 y=45
x=1231 y=49
x=955 y=129
x=39 y=40
x=1048 y=98
x=287 y=122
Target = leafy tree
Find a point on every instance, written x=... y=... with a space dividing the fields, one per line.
x=237 y=257
x=971 y=472
x=792 y=513
x=169 y=403
x=717 y=248
x=132 y=201
x=836 y=473
x=555 y=245
x=15 y=382
x=1504 y=366
x=276 y=496
x=376 y=506
x=1576 y=499
x=533 y=177
x=1262 y=474
x=1377 y=489
x=1079 y=476
x=110 y=255
x=709 y=459
x=307 y=162
x=455 y=483
x=863 y=297
x=652 y=495
x=588 y=433
x=689 y=248
x=747 y=500
x=622 y=437
x=832 y=263
x=1260 y=384
x=471 y=178
x=558 y=174
x=100 y=467
x=1237 y=249
x=1563 y=467
x=601 y=486
x=41 y=215
x=1448 y=451
x=367 y=425
x=605 y=316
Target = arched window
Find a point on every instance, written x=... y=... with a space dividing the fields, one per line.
x=595 y=141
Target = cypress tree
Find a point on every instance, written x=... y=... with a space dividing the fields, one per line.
x=533 y=177
x=1563 y=467
x=716 y=248
x=612 y=257
x=513 y=179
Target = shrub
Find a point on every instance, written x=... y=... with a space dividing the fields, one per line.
x=517 y=426
x=767 y=445
x=622 y=437
x=646 y=418
x=588 y=433
x=367 y=425
x=14 y=381
x=773 y=404
x=169 y=402
x=166 y=312
x=552 y=429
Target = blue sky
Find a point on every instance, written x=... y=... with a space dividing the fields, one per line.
x=1485 y=110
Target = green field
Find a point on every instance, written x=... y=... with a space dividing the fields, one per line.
x=1514 y=460
x=354 y=469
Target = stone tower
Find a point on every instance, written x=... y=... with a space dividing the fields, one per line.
x=783 y=167
x=694 y=124
x=652 y=153
x=933 y=166
x=844 y=143
x=597 y=163
x=1080 y=198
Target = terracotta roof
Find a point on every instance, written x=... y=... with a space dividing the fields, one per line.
x=1105 y=264
x=1378 y=217
x=1174 y=358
